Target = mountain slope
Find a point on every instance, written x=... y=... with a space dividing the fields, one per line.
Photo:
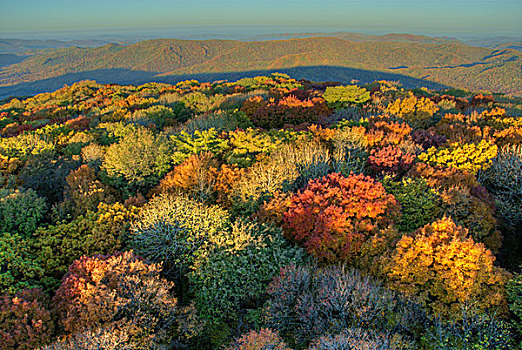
x=445 y=62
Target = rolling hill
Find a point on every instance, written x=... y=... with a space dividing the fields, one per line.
x=440 y=61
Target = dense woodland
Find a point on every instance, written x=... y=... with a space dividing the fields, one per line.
x=267 y=213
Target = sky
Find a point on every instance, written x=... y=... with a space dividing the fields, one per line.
x=443 y=17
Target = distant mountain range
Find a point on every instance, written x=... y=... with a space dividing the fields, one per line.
x=411 y=59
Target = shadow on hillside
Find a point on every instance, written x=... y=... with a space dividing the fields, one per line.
x=7 y=59
x=126 y=76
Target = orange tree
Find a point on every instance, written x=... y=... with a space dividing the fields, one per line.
x=332 y=216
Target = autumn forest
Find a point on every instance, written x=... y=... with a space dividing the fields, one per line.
x=265 y=213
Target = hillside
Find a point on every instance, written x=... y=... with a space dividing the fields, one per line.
x=167 y=60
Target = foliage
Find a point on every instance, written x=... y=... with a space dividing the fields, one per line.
x=390 y=160
x=18 y=270
x=264 y=339
x=381 y=133
x=20 y=211
x=245 y=145
x=428 y=138
x=159 y=116
x=103 y=289
x=272 y=210
x=415 y=111
x=343 y=96
x=420 y=204
x=332 y=216
x=260 y=181
x=84 y=191
x=309 y=161
x=103 y=232
x=352 y=339
x=25 y=145
x=25 y=320
x=46 y=175
x=474 y=210
x=471 y=331
x=185 y=145
x=175 y=230
x=306 y=303
x=227 y=179
x=504 y=179
x=439 y=177
x=444 y=267
x=170 y=153
x=470 y=156
x=230 y=284
x=138 y=160
x=288 y=110
x=114 y=336
x=196 y=177
x=219 y=121
x=514 y=293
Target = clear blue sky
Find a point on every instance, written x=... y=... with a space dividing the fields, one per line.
x=418 y=16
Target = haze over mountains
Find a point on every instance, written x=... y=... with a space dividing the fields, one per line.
x=414 y=60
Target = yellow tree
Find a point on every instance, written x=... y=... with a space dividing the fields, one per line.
x=445 y=268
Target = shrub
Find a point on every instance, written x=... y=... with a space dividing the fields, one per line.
x=352 y=339
x=420 y=204
x=514 y=293
x=306 y=303
x=25 y=320
x=103 y=289
x=264 y=339
x=438 y=177
x=138 y=161
x=475 y=211
x=310 y=161
x=219 y=121
x=349 y=160
x=272 y=211
x=288 y=110
x=160 y=116
x=230 y=283
x=46 y=175
x=416 y=111
x=115 y=336
x=349 y=153
x=84 y=191
x=245 y=145
x=196 y=177
x=344 y=96
x=461 y=133
x=18 y=269
x=471 y=156
x=472 y=331
x=445 y=268
x=26 y=145
x=260 y=181
x=226 y=180
x=504 y=179
x=175 y=230
x=103 y=232
x=20 y=211
x=383 y=133
x=200 y=102
x=186 y=145
x=93 y=155
x=390 y=160
x=332 y=216
x=428 y=138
